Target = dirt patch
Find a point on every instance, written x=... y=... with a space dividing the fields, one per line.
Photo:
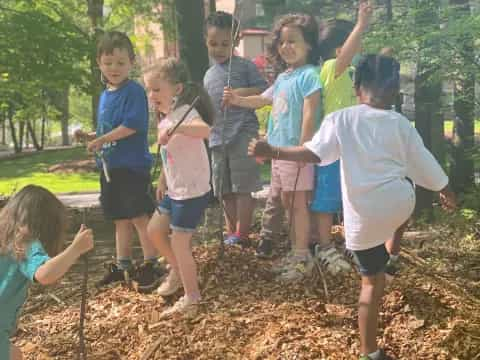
x=73 y=167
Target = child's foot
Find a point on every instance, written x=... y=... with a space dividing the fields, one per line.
x=115 y=274
x=264 y=249
x=147 y=277
x=184 y=306
x=171 y=284
x=379 y=355
x=332 y=260
x=298 y=269
x=232 y=239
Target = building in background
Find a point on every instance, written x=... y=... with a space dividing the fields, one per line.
x=155 y=42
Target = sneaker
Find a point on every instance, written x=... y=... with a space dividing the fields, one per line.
x=264 y=249
x=382 y=356
x=115 y=274
x=232 y=239
x=147 y=277
x=332 y=260
x=184 y=306
x=170 y=285
x=298 y=269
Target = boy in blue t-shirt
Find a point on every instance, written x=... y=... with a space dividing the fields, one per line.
x=232 y=130
x=121 y=140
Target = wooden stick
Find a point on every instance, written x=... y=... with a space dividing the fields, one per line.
x=151 y=350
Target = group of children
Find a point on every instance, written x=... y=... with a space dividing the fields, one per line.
x=366 y=150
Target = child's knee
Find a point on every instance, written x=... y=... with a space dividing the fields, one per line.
x=157 y=225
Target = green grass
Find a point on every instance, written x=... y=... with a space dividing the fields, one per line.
x=33 y=169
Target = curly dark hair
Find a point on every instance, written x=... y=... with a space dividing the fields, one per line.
x=309 y=28
x=222 y=20
x=333 y=34
x=379 y=75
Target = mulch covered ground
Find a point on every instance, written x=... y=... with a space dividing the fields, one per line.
x=428 y=313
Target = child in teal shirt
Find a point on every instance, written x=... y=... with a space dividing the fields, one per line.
x=32 y=226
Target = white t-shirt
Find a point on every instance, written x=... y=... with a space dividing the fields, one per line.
x=185 y=159
x=377 y=149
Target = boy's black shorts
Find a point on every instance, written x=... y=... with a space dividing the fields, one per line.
x=126 y=195
x=371 y=261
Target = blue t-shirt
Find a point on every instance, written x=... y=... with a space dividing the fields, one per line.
x=244 y=74
x=15 y=279
x=125 y=106
x=289 y=91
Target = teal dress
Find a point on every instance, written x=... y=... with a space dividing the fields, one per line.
x=15 y=279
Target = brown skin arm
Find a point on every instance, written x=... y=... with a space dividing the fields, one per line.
x=261 y=149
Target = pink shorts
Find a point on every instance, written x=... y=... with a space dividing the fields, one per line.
x=284 y=175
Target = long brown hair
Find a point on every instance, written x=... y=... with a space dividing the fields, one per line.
x=33 y=213
x=176 y=72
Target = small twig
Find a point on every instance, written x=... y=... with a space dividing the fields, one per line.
x=151 y=350
x=324 y=282
x=56 y=298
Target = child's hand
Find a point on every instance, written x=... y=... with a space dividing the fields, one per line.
x=161 y=188
x=163 y=136
x=260 y=149
x=83 y=241
x=95 y=145
x=365 y=11
x=448 y=199
x=229 y=97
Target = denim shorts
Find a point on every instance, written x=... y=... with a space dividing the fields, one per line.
x=371 y=261
x=327 y=193
x=185 y=215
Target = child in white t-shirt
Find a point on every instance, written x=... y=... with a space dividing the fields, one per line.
x=184 y=186
x=378 y=149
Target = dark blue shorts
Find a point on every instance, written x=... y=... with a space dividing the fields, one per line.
x=184 y=214
x=327 y=194
x=371 y=261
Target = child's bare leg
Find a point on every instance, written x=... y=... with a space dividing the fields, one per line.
x=245 y=206
x=181 y=246
x=230 y=210
x=301 y=218
x=123 y=239
x=158 y=229
x=15 y=353
x=324 y=224
x=369 y=302
x=393 y=245
x=149 y=250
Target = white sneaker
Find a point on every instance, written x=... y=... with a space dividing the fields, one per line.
x=170 y=285
x=332 y=260
x=184 y=305
x=298 y=269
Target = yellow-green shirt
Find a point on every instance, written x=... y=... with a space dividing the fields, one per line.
x=338 y=92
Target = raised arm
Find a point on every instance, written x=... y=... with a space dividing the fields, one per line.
x=352 y=44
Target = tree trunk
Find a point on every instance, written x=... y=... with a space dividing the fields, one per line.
x=21 y=133
x=193 y=51
x=95 y=14
x=462 y=169
x=13 y=133
x=4 y=128
x=428 y=91
x=33 y=136
x=389 y=11
x=42 y=132
x=61 y=103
